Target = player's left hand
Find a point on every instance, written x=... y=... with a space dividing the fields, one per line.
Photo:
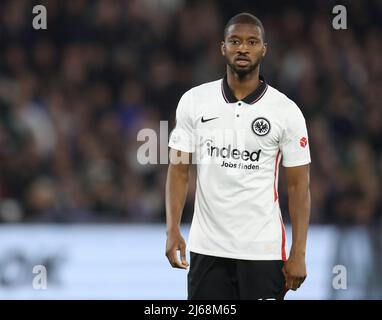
x=295 y=272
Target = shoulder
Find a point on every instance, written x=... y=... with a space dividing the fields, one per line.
x=205 y=89
x=283 y=103
x=193 y=97
x=280 y=99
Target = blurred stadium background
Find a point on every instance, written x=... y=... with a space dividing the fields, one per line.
x=72 y=98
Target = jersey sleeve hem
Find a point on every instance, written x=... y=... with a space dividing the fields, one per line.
x=181 y=148
x=296 y=163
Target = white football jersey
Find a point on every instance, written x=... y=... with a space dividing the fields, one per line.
x=238 y=146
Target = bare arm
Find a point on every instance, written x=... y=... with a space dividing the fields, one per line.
x=176 y=193
x=299 y=210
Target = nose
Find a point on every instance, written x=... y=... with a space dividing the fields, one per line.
x=242 y=47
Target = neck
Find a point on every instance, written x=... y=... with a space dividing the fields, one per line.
x=242 y=86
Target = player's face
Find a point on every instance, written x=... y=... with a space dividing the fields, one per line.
x=243 y=48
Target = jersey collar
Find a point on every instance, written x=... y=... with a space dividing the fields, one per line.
x=252 y=98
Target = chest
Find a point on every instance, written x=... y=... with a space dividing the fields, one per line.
x=240 y=125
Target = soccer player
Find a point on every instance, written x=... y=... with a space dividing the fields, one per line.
x=237 y=238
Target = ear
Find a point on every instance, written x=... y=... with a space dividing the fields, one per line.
x=222 y=48
x=265 y=46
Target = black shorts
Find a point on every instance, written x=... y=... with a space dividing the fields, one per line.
x=218 y=278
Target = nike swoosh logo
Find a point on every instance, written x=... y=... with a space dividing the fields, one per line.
x=205 y=120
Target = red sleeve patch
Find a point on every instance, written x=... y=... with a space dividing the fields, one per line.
x=303 y=142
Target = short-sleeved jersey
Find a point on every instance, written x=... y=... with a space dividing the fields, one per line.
x=237 y=146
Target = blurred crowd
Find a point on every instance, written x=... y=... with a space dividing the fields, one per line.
x=73 y=98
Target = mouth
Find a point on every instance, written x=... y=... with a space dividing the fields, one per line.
x=242 y=61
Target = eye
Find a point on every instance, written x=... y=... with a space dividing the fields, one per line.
x=252 y=42
x=233 y=41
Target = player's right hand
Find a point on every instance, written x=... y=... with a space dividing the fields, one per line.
x=175 y=243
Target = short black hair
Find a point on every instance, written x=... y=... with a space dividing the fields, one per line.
x=245 y=18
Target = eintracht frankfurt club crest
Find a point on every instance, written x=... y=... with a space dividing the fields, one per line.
x=261 y=126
